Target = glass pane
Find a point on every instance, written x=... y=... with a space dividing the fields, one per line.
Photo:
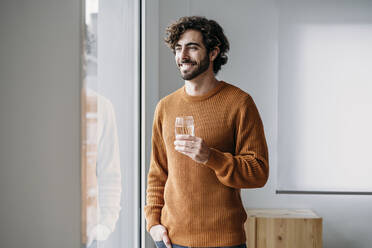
x=110 y=164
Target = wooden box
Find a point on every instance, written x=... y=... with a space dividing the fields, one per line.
x=283 y=228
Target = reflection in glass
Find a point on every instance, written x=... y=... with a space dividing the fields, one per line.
x=101 y=175
x=89 y=125
x=103 y=170
x=110 y=117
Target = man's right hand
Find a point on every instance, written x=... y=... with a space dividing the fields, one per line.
x=160 y=233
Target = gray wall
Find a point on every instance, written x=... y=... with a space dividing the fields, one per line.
x=40 y=123
x=253 y=66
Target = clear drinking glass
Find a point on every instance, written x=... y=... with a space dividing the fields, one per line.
x=184 y=125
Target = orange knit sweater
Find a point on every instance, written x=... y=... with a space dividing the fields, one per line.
x=199 y=204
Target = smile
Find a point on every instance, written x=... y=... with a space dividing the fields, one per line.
x=186 y=65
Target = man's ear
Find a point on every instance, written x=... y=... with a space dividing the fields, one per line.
x=214 y=53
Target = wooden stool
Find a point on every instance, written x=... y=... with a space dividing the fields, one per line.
x=283 y=228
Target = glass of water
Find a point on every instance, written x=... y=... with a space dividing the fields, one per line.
x=184 y=125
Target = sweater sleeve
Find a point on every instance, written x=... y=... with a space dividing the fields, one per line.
x=158 y=173
x=248 y=167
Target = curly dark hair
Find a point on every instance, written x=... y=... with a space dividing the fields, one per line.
x=211 y=31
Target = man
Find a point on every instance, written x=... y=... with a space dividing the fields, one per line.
x=194 y=182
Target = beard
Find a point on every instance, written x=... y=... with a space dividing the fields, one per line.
x=193 y=73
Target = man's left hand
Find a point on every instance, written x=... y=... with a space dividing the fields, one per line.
x=192 y=146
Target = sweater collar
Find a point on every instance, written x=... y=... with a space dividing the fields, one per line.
x=209 y=94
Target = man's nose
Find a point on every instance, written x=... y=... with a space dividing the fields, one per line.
x=184 y=54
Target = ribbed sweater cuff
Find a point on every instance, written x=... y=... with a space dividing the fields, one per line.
x=109 y=221
x=216 y=159
x=151 y=221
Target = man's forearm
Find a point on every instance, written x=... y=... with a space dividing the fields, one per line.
x=241 y=171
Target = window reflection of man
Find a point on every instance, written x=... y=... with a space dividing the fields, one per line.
x=103 y=215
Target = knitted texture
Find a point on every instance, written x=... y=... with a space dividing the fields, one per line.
x=200 y=205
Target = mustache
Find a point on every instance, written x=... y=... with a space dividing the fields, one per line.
x=188 y=61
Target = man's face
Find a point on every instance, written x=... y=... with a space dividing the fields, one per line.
x=191 y=55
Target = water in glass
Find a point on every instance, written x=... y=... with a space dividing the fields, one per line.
x=184 y=125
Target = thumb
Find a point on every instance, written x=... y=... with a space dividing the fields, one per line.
x=166 y=240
